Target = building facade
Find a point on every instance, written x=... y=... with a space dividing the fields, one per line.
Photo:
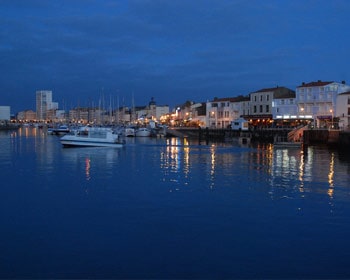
x=26 y=116
x=343 y=110
x=222 y=111
x=43 y=104
x=284 y=108
x=318 y=99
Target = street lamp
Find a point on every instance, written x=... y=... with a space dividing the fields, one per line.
x=331 y=111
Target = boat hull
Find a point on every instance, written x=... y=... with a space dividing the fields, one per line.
x=143 y=133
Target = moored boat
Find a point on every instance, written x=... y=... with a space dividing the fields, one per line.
x=143 y=132
x=129 y=131
x=62 y=129
x=93 y=137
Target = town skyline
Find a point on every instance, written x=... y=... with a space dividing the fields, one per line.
x=113 y=102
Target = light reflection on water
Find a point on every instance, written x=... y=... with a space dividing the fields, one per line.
x=182 y=163
x=130 y=209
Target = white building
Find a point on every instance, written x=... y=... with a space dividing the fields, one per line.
x=318 y=99
x=343 y=110
x=152 y=111
x=222 y=111
x=284 y=107
x=5 y=113
x=43 y=103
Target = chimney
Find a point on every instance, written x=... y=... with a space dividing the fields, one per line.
x=303 y=83
x=343 y=82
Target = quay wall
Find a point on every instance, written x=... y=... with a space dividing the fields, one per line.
x=315 y=136
x=310 y=137
x=344 y=139
x=261 y=135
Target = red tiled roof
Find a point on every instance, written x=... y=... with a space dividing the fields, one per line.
x=315 y=84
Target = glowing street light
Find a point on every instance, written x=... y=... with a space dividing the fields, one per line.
x=331 y=111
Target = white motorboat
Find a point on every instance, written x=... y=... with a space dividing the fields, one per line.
x=62 y=129
x=143 y=132
x=129 y=131
x=93 y=137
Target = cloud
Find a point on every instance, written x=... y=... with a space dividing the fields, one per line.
x=168 y=49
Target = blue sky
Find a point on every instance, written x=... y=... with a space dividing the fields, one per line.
x=172 y=50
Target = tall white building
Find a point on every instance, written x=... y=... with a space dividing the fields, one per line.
x=43 y=103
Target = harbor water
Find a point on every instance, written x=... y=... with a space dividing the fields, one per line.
x=171 y=208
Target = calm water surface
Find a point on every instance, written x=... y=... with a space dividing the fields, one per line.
x=168 y=208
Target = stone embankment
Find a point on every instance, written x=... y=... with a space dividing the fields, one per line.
x=309 y=136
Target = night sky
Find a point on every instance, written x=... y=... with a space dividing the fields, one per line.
x=172 y=50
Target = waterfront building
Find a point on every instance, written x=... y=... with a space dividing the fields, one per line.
x=285 y=109
x=318 y=100
x=5 y=114
x=26 y=116
x=261 y=104
x=123 y=115
x=182 y=114
x=245 y=106
x=199 y=115
x=55 y=115
x=222 y=111
x=151 y=112
x=343 y=110
x=86 y=115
